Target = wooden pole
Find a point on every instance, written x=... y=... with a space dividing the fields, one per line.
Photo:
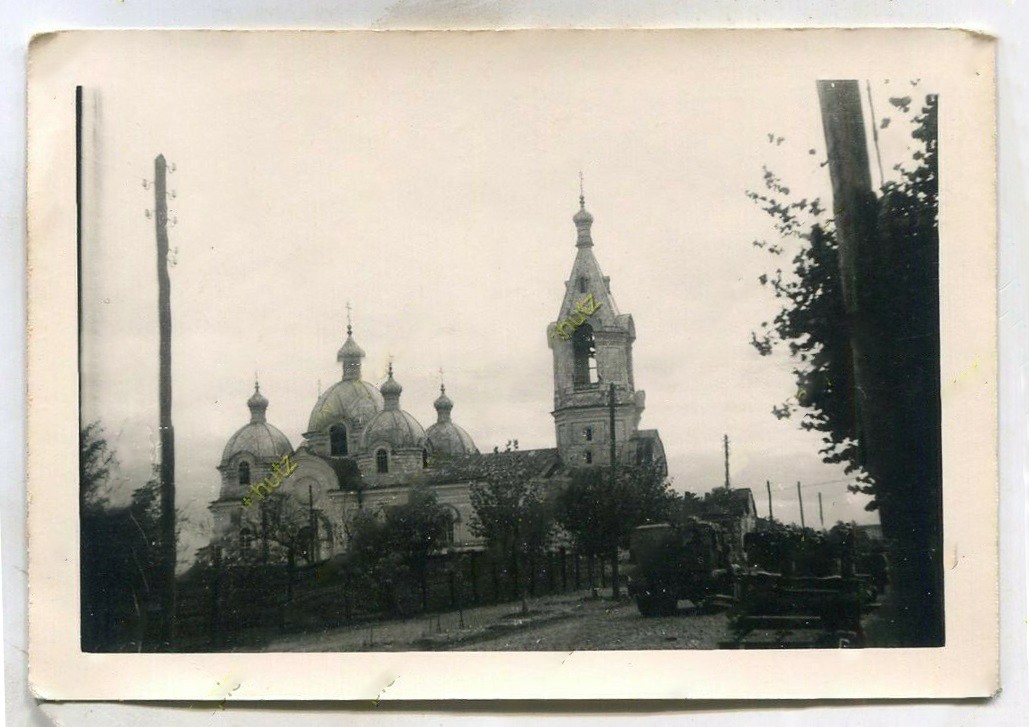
x=821 y=515
x=167 y=481
x=800 y=499
x=615 y=589
x=725 y=442
x=768 y=486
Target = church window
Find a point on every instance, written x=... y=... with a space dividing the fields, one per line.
x=582 y=284
x=587 y=434
x=584 y=350
x=244 y=473
x=338 y=440
x=587 y=457
x=381 y=461
x=246 y=538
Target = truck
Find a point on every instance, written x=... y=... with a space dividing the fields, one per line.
x=669 y=562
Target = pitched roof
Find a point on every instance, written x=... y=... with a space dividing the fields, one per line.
x=535 y=462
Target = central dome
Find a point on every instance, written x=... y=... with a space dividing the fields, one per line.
x=353 y=400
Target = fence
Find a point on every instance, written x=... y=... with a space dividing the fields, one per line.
x=227 y=606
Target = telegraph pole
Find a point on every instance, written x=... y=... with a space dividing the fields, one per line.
x=615 y=590
x=768 y=486
x=167 y=480
x=800 y=498
x=821 y=515
x=725 y=441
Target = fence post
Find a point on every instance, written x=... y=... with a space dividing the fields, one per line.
x=453 y=588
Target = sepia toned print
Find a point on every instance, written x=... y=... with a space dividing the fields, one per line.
x=781 y=488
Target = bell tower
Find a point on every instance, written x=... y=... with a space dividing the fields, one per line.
x=592 y=347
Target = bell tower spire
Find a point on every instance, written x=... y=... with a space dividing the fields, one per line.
x=592 y=344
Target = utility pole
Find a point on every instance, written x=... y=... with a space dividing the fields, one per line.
x=615 y=590
x=725 y=441
x=167 y=481
x=821 y=515
x=768 y=486
x=800 y=499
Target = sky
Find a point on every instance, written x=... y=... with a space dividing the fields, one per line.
x=430 y=182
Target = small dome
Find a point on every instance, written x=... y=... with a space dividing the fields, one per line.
x=352 y=400
x=391 y=388
x=582 y=217
x=350 y=355
x=450 y=440
x=259 y=439
x=583 y=221
x=443 y=402
x=398 y=428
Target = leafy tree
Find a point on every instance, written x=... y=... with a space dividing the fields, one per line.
x=600 y=508
x=512 y=513
x=96 y=461
x=899 y=463
x=389 y=546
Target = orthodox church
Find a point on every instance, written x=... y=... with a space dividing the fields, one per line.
x=362 y=450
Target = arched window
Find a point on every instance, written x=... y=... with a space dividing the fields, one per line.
x=246 y=538
x=244 y=473
x=382 y=461
x=587 y=434
x=425 y=458
x=585 y=351
x=338 y=440
x=582 y=284
x=587 y=457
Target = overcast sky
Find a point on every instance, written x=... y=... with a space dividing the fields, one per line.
x=431 y=183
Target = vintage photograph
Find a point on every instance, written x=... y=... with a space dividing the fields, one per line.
x=517 y=343
x=385 y=388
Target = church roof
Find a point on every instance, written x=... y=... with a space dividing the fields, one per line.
x=535 y=463
x=351 y=399
x=260 y=440
x=449 y=439
x=396 y=427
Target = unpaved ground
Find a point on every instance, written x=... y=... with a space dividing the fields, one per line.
x=555 y=623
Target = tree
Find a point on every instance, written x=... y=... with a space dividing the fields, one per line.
x=393 y=544
x=96 y=460
x=512 y=513
x=898 y=458
x=600 y=508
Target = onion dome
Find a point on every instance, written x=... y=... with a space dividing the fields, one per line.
x=447 y=438
x=583 y=221
x=350 y=355
x=259 y=439
x=393 y=425
x=391 y=391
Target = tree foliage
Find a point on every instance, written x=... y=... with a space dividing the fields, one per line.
x=512 y=511
x=600 y=509
x=899 y=295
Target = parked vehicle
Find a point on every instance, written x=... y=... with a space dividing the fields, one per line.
x=670 y=562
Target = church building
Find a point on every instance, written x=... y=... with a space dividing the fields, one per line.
x=362 y=450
